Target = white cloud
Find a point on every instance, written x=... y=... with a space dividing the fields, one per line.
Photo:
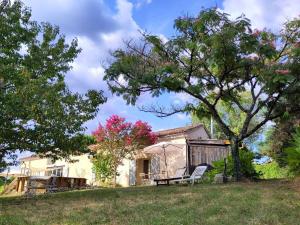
x=141 y=3
x=87 y=70
x=99 y=31
x=79 y=17
x=163 y=38
x=107 y=31
x=182 y=116
x=183 y=98
x=269 y=14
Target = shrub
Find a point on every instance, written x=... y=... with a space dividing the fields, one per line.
x=271 y=170
x=2 y=182
x=118 y=140
x=102 y=166
x=247 y=166
x=293 y=153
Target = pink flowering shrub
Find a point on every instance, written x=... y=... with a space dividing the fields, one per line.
x=118 y=140
x=283 y=72
x=142 y=133
x=116 y=128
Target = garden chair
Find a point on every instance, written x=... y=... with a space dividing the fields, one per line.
x=196 y=175
x=179 y=174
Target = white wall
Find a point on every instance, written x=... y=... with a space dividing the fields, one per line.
x=123 y=171
x=82 y=167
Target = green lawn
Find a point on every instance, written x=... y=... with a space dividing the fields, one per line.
x=254 y=203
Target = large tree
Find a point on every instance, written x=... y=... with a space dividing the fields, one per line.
x=118 y=140
x=38 y=113
x=213 y=58
x=229 y=115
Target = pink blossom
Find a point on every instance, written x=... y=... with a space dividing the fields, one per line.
x=284 y=72
x=256 y=33
x=117 y=129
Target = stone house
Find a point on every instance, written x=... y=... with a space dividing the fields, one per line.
x=184 y=147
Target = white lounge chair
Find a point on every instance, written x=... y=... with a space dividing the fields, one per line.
x=179 y=174
x=196 y=175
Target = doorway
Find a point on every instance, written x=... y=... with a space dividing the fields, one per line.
x=146 y=168
x=142 y=170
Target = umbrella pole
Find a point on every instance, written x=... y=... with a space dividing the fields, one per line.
x=166 y=161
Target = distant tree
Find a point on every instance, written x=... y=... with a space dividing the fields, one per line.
x=38 y=113
x=276 y=139
x=119 y=140
x=280 y=135
x=229 y=115
x=293 y=153
x=213 y=59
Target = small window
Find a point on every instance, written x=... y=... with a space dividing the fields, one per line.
x=55 y=172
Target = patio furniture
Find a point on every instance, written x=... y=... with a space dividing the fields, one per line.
x=163 y=148
x=196 y=175
x=145 y=178
x=179 y=174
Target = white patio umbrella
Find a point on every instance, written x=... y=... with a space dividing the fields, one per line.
x=162 y=147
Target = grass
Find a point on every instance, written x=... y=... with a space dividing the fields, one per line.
x=252 y=203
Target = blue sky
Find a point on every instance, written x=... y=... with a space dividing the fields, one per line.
x=102 y=25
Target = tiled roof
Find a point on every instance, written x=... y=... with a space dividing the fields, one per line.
x=28 y=158
x=209 y=142
x=176 y=131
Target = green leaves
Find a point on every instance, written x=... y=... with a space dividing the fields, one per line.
x=38 y=113
x=293 y=153
x=214 y=60
x=247 y=166
x=103 y=166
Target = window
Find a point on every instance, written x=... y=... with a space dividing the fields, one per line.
x=55 y=172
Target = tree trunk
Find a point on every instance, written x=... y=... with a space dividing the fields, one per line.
x=236 y=159
x=115 y=179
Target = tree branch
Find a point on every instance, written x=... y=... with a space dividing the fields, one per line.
x=162 y=111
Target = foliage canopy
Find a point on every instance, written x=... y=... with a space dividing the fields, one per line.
x=293 y=153
x=213 y=58
x=38 y=113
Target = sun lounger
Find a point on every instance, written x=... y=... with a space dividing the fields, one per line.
x=196 y=175
x=179 y=174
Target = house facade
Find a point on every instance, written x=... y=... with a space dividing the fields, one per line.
x=184 y=147
x=79 y=167
x=176 y=148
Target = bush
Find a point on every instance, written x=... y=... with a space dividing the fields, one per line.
x=247 y=166
x=271 y=170
x=2 y=182
x=102 y=166
x=293 y=153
